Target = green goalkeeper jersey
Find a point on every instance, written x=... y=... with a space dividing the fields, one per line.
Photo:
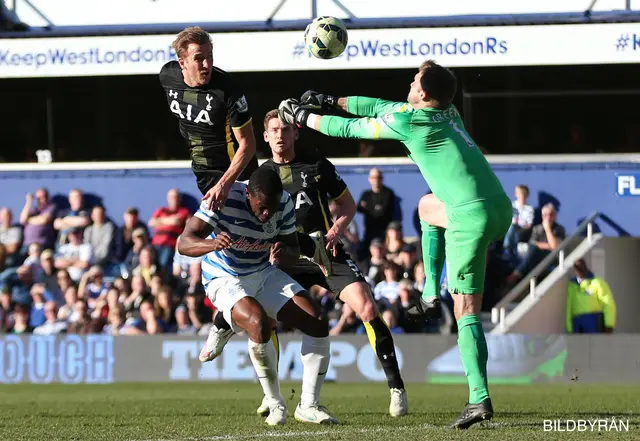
x=436 y=141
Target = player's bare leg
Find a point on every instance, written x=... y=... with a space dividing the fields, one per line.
x=358 y=296
x=473 y=349
x=433 y=222
x=249 y=315
x=303 y=314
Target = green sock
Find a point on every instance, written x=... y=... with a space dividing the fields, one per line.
x=433 y=258
x=473 y=349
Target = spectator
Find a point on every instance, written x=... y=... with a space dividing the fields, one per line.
x=67 y=310
x=348 y=323
x=183 y=326
x=392 y=323
x=590 y=304
x=48 y=275
x=406 y=260
x=150 y=323
x=140 y=240
x=374 y=268
x=74 y=256
x=192 y=284
x=33 y=259
x=115 y=322
x=100 y=235
x=394 y=241
x=406 y=298
x=163 y=306
x=125 y=234
x=10 y=237
x=37 y=316
x=387 y=291
x=168 y=223
x=377 y=205
x=545 y=238
x=19 y=281
x=64 y=280
x=52 y=325
x=38 y=220
x=92 y=286
x=139 y=293
x=76 y=216
x=147 y=267
x=82 y=324
x=521 y=223
x=21 y=320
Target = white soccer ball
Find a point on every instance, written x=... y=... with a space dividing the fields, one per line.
x=326 y=37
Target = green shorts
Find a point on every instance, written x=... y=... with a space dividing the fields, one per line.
x=471 y=229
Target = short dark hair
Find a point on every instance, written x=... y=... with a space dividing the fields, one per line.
x=192 y=34
x=439 y=83
x=271 y=114
x=265 y=183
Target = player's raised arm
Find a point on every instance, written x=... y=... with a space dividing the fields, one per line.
x=242 y=127
x=355 y=105
x=195 y=242
x=390 y=126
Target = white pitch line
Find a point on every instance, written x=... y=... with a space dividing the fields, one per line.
x=296 y=434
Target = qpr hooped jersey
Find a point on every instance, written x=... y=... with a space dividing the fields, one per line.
x=251 y=238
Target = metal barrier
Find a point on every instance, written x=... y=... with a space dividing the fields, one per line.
x=499 y=311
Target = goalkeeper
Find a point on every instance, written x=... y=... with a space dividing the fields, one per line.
x=467 y=210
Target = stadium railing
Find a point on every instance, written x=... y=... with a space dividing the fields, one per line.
x=531 y=280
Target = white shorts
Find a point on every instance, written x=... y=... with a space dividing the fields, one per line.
x=271 y=287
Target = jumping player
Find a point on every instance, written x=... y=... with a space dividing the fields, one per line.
x=467 y=210
x=311 y=180
x=213 y=116
x=253 y=229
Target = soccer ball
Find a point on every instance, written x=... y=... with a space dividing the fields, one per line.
x=326 y=37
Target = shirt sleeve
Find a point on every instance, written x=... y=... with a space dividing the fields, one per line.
x=237 y=107
x=288 y=225
x=85 y=253
x=608 y=304
x=207 y=215
x=330 y=180
x=535 y=234
x=374 y=107
x=391 y=126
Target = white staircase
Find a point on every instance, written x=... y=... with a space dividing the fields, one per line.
x=509 y=312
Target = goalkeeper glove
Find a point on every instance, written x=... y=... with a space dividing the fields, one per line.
x=290 y=112
x=314 y=100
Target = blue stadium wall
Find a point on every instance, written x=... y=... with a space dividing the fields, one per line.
x=577 y=189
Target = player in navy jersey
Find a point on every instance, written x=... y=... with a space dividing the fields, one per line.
x=213 y=116
x=244 y=243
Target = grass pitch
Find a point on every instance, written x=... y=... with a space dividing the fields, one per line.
x=226 y=411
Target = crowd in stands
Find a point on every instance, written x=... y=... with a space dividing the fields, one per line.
x=76 y=270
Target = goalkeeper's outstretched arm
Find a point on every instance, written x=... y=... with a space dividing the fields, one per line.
x=371 y=107
x=391 y=126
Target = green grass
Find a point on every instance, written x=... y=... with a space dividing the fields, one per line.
x=217 y=411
